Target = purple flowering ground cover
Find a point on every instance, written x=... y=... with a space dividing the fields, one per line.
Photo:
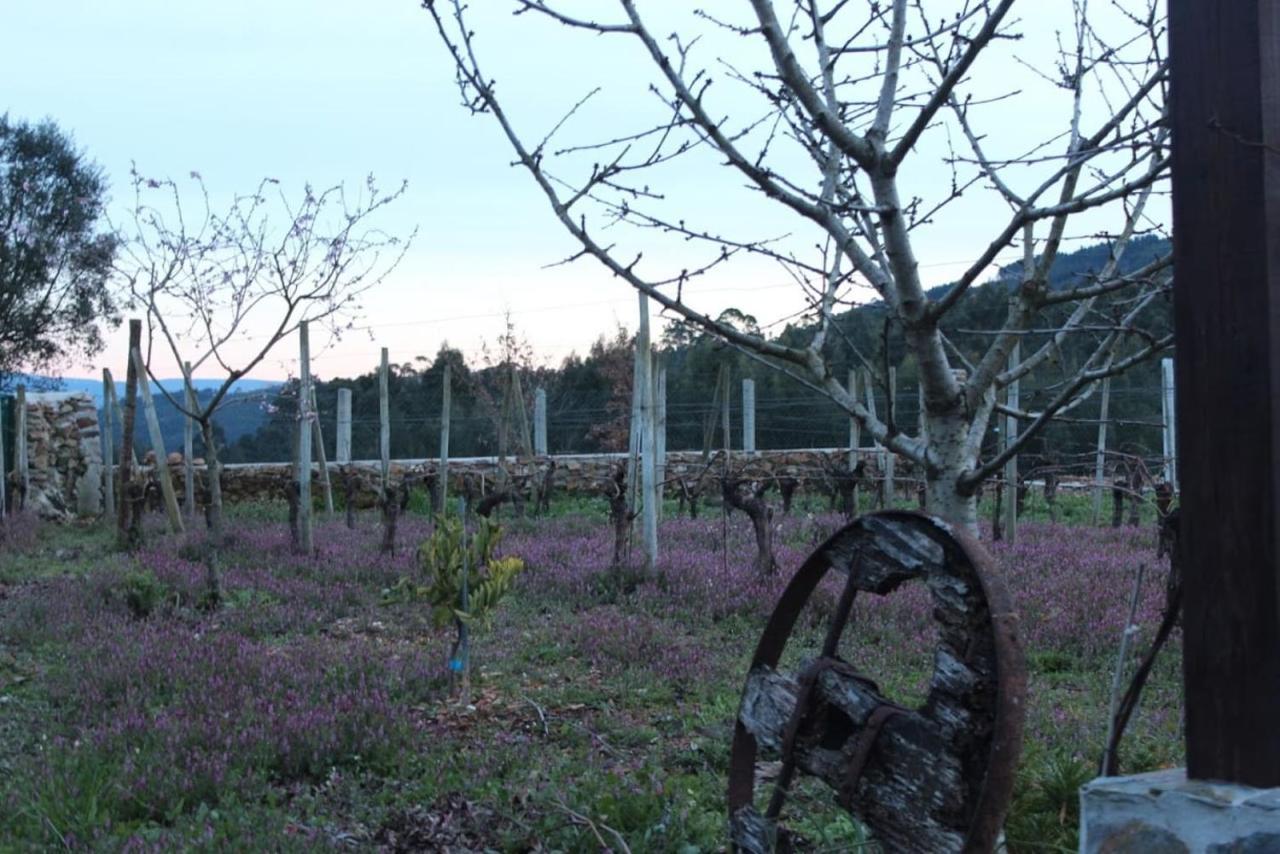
x=306 y=713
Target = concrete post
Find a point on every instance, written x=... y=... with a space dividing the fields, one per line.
x=342 y=449
x=304 y=439
x=540 y=422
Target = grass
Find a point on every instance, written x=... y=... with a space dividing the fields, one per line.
x=306 y=714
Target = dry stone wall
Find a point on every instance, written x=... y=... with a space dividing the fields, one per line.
x=64 y=456
x=573 y=475
x=67 y=469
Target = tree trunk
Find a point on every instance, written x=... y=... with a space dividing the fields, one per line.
x=787 y=486
x=949 y=444
x=213 y=477
x=619 y=515
x=349 y=495
x=1117 y=502
x=761 y=515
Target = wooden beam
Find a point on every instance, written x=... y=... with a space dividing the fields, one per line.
x=446 y=405
x=660 y=429
x=1100 y=457
x=188 y=444
x=1225 y=119
x=649 y=442
x=384 y=423
x=21 y=454
x=127 y=418
x=4 y=475
x=157 y=446
x=1011 y=467
x=326 y=485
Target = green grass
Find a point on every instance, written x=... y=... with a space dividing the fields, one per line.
x=555 y=750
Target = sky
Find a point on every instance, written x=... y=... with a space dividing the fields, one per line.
x=327 y=92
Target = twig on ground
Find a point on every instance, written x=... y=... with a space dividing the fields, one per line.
x=541 y=714
x=580 y=819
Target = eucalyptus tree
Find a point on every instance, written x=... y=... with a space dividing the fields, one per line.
x=864 y=133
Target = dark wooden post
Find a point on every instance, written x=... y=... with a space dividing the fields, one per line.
x=126 y=437
x=1226 y=213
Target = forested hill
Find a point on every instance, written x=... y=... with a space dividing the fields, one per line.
x=589 y=395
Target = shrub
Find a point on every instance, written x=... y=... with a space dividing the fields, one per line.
x=139 y=591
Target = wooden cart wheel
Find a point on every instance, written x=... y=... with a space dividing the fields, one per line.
x=933 y=779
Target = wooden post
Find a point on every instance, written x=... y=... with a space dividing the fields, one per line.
x=869 y=388
x=442 y=477
x=1100 y=456
x=110 y=400
x=21 y=460
x=1012 y=399
x=855 y=434
x=724 y=413
x=855 y=431
x=1225 y=120
x=1169 y=433
x=504 y=425
x=188 y=444
x=724 y=468
x=540 y=422
x=342 y=442
x=304 y=440
x=649 y=452
x=922 y=428
x=660 y=430
x=326 y=485
x=4 y=481
x=157 y=446
x=709 y=424
x=890 y=459
x=127 y=419
x=523 y=436
x=748 y=416
x=634 y=434
x=384 y=423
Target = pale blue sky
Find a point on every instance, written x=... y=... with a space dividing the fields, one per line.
x=328 y=91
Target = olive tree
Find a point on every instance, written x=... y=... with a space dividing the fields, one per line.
x=55 y=249
x=867 y=129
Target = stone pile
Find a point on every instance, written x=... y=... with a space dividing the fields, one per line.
x=64 y=454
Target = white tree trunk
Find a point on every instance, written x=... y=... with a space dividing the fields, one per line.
x=948 y=436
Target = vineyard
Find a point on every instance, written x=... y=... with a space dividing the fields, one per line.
x=313 y=710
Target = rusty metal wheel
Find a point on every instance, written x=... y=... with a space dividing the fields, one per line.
x=937 y=778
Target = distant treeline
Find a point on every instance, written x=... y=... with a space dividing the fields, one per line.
x=589 y=395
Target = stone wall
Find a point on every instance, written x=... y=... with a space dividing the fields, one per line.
x=66 y=467
x=573 y=475
x=64 y=454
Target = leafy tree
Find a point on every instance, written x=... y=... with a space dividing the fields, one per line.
x=55 y=257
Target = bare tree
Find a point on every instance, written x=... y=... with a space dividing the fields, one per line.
x=869 y=126
x=221 y=289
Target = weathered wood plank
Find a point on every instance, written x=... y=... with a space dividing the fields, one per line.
x=1225 y=119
